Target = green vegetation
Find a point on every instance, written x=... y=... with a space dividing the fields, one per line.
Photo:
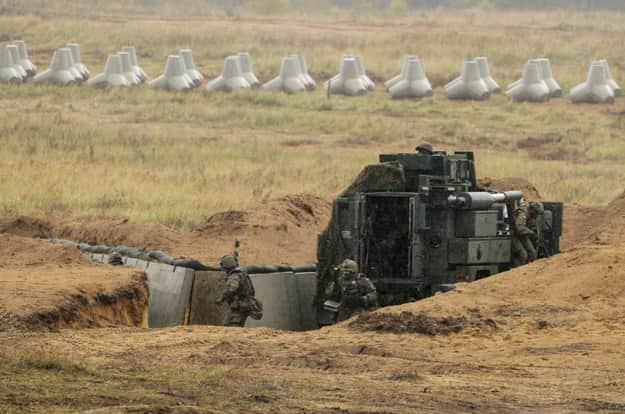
x=52 y=384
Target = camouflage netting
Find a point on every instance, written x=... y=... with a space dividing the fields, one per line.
x=379 y=177
x=387 y=177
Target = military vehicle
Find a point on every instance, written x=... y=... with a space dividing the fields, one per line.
x=418 y=223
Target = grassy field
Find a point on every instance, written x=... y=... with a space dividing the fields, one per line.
x=177 y=158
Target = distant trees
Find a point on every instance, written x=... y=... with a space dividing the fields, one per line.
x=401 y=5
x=276 y=6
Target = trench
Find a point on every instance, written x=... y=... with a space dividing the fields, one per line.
x=184 y=296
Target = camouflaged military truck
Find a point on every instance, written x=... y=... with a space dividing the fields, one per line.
x=418 y=223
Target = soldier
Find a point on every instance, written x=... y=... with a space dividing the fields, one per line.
x=527 y=232
x=535 y=222
x=354 y=291
x=239 y=294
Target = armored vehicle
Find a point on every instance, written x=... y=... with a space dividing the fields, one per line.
x=418 y=223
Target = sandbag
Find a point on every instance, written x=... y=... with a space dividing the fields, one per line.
x=161 y=257
x=193 y=264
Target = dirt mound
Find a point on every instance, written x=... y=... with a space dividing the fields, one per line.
x=581 y=224
x=507 y=184
x=18 y=252
x=43 y=285
x=144 y=236
x=599 y=225
x=421 y=323
x=26 y=226
x=300 y=210
x=282 y=230
x=277 y=231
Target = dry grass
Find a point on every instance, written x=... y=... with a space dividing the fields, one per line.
x=176 y=158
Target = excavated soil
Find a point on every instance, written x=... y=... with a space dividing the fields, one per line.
x=275 y=232
x=51 y=286
x=421 y=323
x=546 y=338
x=507 y=184
x=543 y=338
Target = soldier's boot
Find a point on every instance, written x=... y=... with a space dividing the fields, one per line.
x=235 y=319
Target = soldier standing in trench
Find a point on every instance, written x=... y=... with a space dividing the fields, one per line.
x=527 y=235
x=354 y=291
x=239 y=294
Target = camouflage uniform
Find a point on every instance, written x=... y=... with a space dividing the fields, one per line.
x=239 y=295
x=535 y=222
x=526 y=233
x=355 y=292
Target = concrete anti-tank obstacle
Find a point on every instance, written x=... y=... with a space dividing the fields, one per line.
x=61 y=71
x=73 y=69
x=80 y=67
x=491 y=84
x=174 y=78
x=112 y=75
x=554 y=89
x=349 y=81
x=363 y=73
x=245 y=60
x=596 y=89
x=532 y=87
x=135 y=64
x=305 y=79
x=412 y=83
x=615 y=87
x=8 y=74
x=310 y=83
x=24 y=61
x=391 y=82
x=231 y=79
x=127 y=69
x=290 y=79
x=187 y=57
x=15 y=58
x=469 y=86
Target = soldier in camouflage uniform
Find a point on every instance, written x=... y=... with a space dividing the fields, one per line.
x=527 y=237
x=353 y=290
x=536 y=222
x=239 y=294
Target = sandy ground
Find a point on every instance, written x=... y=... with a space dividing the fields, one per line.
x=277 y=231
x=42 y=284
x=545 y=338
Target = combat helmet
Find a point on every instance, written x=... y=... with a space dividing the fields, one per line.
x=537 y=208
x=349 y=265
x=228 y=262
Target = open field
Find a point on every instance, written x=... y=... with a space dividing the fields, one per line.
x=76 y=162
x=177 y=158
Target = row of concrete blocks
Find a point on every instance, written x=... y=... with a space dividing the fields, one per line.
x=474 y=83
x=536 y=85
x=181 y=296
